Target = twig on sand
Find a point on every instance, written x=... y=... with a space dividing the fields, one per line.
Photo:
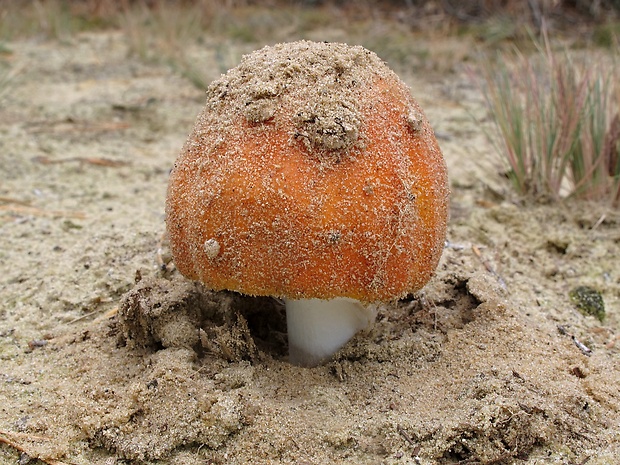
x=24 y=203
x=25 y=210
x=69 y=125
x=406 y=437
x=23 y=207
x=488 y=266
x=108 y=314
x=89 y=160
x=11 y=440
x=585 y=350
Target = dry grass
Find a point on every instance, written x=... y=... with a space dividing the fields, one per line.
x=7 y=76
x=165 y=33
x=171 y=31
x=48 y=19
x=180 y=33
x=556 y=123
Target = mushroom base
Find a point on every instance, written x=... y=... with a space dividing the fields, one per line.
x=319 y=328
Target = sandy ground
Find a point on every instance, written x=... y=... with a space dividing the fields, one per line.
x=491 y=363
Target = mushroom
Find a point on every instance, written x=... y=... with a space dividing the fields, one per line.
x=312 y=176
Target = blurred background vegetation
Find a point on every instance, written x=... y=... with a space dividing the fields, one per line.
x=542 y=155
x=399 y=31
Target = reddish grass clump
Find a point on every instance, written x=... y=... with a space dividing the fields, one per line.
x=557 y=124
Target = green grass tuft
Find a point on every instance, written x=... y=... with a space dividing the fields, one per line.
x=557 y=124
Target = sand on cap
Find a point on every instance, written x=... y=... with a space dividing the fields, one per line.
x=310 y=173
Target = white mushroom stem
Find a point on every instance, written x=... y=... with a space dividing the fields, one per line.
x=319 y=328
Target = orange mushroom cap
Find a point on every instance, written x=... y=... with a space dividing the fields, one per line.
x=311 y=173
